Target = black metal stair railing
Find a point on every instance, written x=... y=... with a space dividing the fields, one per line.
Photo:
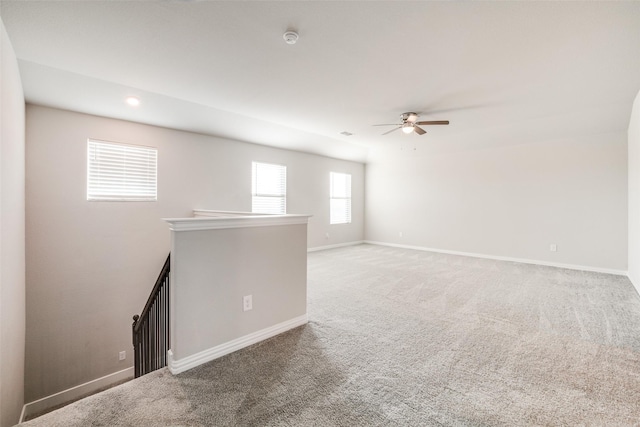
x=151 y=329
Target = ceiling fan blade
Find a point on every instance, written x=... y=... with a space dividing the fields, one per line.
x=389 y=131
x=388 y=124
x=419 y=130
x=433 y=122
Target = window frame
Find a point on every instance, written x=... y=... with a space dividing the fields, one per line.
x=255 y=194
x=133 y=157
x=333 y=199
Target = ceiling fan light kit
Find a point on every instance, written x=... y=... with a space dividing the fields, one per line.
x=410 y=124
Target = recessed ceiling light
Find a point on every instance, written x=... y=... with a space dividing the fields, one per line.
x=133 y=101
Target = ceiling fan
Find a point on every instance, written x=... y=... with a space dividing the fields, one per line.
x=410 y=124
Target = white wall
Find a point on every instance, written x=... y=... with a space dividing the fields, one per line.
x=211 y=272
x=12 y=232
x=634 y=194
x=507 y=201
x=91 y=265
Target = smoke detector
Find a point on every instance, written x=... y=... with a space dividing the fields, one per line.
x=291 y=37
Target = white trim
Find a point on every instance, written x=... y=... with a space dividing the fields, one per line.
x=503 y=258
x=189 y=362
x=22 y=414
x=633 y=282
x=212 y=213
x=214 y=223
x=338 y=245
x=73 y=393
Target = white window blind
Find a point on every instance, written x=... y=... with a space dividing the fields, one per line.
x=269 y=188
x=340 y=203
x=121 y=172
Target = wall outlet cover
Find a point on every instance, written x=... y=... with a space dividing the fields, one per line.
x=247 y=302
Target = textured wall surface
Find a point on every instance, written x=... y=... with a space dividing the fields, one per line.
x=12 y=232
x=91 y=265
x=510 y=201
x=212 y=270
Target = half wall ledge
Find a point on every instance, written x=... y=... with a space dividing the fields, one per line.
x=210 y=220
x=217 y=259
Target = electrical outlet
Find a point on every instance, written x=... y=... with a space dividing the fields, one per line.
x=400 y=234
x=326 y=235
x=247 y=302
x=122 y=355
x=553 y=247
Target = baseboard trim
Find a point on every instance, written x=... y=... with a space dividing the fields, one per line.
x=633 y=282
x=189 y=362
x=503 y=258
x=74 y=393
x=339 y=245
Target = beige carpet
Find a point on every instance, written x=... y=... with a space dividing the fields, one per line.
x=409 y=338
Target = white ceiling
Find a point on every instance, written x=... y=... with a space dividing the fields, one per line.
x=501 y=72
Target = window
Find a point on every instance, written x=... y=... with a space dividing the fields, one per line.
x=340 y=193
x=121 y=172
x=269 y=188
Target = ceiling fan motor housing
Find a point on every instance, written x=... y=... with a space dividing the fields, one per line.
x=409 y=117
x=410 y=124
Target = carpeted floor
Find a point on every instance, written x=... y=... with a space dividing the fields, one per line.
x=407 y=338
